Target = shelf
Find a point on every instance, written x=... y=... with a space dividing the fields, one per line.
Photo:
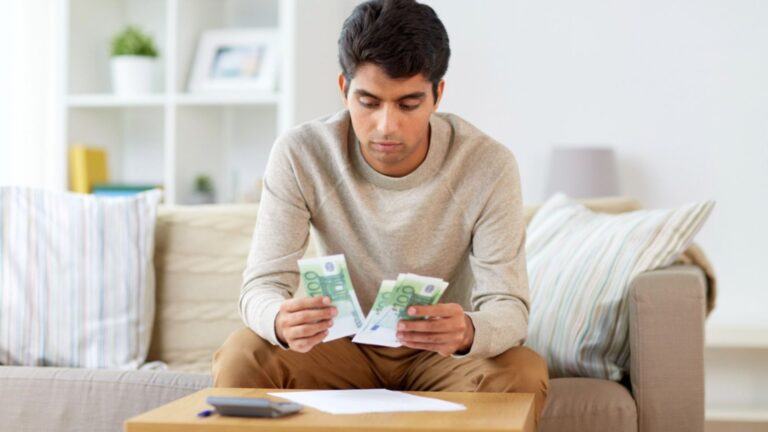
x=736 y=337
x=751 y=415
x=267 y=98
x=113 y=101
x=174 y=135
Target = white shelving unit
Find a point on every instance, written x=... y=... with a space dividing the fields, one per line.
x=170 y=137
x=736 y=378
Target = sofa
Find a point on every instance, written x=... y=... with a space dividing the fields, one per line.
x=200 y=252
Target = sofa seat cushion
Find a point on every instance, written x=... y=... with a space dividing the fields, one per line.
x=68 y=400
x=588 y=404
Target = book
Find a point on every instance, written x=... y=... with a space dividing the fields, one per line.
x=87 y=166
x=120 y=190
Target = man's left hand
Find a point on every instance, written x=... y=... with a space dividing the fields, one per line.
x=446 y=331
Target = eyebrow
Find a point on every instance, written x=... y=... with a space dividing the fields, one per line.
x=414 y=95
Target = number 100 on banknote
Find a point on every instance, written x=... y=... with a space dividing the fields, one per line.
x=329 y=276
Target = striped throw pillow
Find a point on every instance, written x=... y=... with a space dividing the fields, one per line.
x=76 y=278
x=580 y=264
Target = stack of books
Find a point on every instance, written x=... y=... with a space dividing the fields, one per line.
x=88 y=173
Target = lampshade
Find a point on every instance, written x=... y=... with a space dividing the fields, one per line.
x=583 y=172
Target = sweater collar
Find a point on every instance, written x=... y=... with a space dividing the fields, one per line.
x=439 y=142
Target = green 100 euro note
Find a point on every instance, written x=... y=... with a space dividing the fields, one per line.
x=329 y=276
x=391 y=305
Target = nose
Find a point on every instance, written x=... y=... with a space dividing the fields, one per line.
x=386 y=124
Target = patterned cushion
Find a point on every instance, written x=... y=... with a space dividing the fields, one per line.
x=579 y=266
x=76 y=278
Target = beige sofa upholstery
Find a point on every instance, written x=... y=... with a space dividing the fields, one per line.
x=200 y=254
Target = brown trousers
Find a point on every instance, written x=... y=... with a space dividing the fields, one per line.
x=247 y=360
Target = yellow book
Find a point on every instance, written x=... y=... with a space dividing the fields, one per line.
x=87 y=166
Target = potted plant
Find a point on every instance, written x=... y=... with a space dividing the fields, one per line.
x=203 y=193
x=134 y=59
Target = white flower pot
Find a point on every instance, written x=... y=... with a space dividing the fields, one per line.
x=197 y=198
x=133 y=75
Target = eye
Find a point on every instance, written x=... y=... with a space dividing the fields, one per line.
x=368 y=103
x=406 y=107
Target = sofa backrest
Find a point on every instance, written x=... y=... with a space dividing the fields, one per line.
x=200 y=255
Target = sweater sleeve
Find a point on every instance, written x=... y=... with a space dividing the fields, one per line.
x=280 y=238
x=500 y=298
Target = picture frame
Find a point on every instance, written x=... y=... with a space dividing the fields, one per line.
x=235 y=60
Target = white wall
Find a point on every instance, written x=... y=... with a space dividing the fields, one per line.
x=679 y=89
x=317 y=32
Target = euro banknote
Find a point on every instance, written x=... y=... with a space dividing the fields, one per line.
x=392 y=303
x=329 y=276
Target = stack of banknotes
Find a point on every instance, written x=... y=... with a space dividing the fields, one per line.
x=329 y=276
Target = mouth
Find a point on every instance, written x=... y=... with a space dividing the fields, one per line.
x=385 y=146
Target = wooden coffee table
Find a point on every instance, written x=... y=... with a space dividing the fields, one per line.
x=485 y=412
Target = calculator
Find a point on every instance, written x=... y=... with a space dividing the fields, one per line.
x=252 y=407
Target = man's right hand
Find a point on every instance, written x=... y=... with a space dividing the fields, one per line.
x=303 y=323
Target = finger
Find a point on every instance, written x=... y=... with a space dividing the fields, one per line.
x=430 y=338
x=297 y=304
x=307 y=330
x=445 y=310
x=430 y=326
x=306 y=344
x=307 y=316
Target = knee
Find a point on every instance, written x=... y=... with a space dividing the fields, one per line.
x=241 y=343
x=524 y=371
x=243 y=348
x=521 y=370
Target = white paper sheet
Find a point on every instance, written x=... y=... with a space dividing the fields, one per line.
x=367 y=401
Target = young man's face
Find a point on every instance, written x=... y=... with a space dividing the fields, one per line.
x=390 y=118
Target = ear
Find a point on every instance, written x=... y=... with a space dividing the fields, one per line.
x=440 y=88
x=342 y=86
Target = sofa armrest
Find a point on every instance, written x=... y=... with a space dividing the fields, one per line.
x=666 y=336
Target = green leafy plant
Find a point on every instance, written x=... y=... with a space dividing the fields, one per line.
x=133 y=41
x=203 y=184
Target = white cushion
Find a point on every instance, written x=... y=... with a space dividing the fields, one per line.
x=76 y=278
x=580 y=264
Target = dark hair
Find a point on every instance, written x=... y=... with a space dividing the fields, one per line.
x=402 y=37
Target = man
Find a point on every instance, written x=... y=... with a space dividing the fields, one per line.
x=397 y=188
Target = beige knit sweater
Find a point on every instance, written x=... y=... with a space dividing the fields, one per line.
x=458 y=216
